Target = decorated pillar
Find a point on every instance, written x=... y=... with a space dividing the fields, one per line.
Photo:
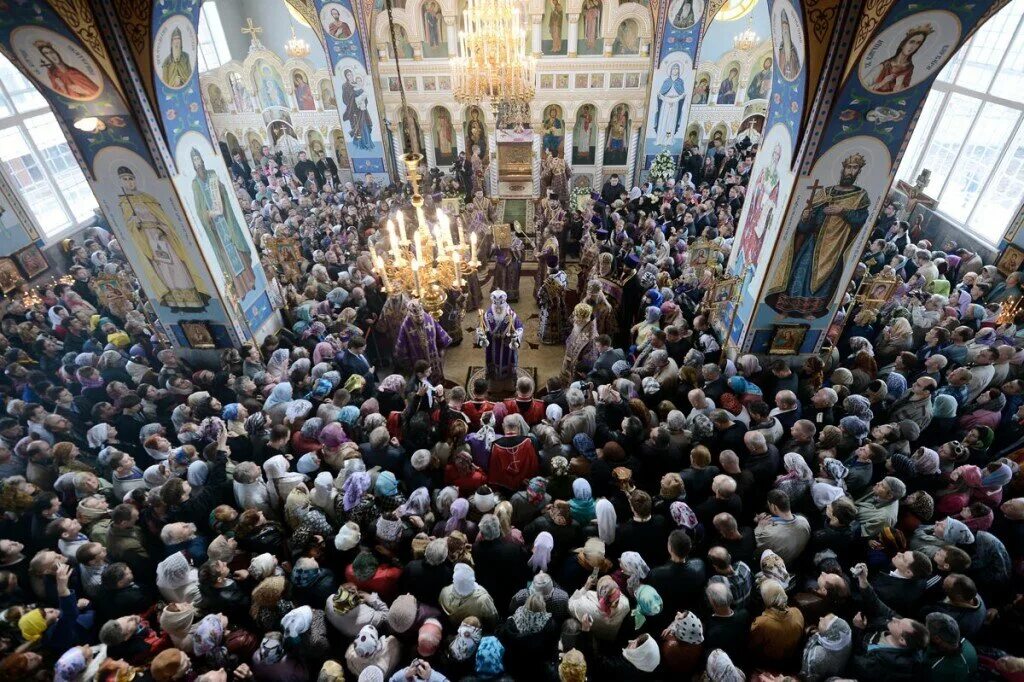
x=574 y=33
x=602 y=127
x=567 y=142
x=811 y=202
x=453 y=34
x=354 y=87
x=492 y=167
x=396 y=146
x=428 y=142
x=537 y=154
x=631 y=153
x=536 y=35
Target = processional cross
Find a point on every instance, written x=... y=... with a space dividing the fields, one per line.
x=253 y=31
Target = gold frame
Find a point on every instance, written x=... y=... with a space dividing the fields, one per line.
x=198 y=334
x=793 y=343
x=1005 y=265
x=865 y=292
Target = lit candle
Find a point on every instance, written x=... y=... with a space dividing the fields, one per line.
x=401 y=228
x=394 y=241
x=472 y=248
x=457 y=260
x=462 y=234
x=418 y=245
x=383 y=273
x=416 y=277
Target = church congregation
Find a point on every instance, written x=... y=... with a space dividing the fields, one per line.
x=511 y=396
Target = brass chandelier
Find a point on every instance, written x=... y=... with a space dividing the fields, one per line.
x=428 y=263
x=493 y=64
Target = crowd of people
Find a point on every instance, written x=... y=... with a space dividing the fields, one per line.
x=324 y=506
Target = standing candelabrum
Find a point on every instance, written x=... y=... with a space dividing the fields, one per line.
x=429 y=263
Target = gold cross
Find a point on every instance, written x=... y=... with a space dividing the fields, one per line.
x=252 y=29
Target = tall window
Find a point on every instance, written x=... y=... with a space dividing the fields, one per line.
x=213 y=45
x=970 y=134
x=37 y=159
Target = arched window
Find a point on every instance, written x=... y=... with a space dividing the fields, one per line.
x=971 y=131
x=213 y=45
x=37 y=161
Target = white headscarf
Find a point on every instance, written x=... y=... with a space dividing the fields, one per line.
x=606 y=520
x=463 y=580
x=323 y=492
x=646 y=656
x=97 y=435
x=297 y=621
x=542 y=546
x=175 y=572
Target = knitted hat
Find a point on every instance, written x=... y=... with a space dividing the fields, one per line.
x=165 y=665
x=895 y=486
x=903 y=466
x=364 y=566
x=429 y=638
x=854 y=426
x=371 y=674
x=402 y=613
x=957 y=532
x=920 y=504
x=436 y=552
x=909 y=430
x=389 y=529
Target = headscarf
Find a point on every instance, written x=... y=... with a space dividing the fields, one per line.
x=175 y=572
x=606 y=520
x=297 y=621
x=688 y=628
x=581 y=506
x=742 y=386
x=683 y=515
x=542 y=546
x=465 y=642
x=348 y=536
x=573 y=667
x=489 y=654
x=281 y=394
x=648 y=603
x=367 y=642
x=635 y=569
x=463 y=580
x=356 y=485
x=720 y=668
x=645 y=656
x=70 y=665
x=208 y=636
x=530 y=622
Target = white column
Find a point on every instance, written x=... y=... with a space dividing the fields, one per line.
x=634 y=142
x=536 y=160
x=396 y=137
x=460 y=139
x=567 y=142
x=535 y=26
x=492 y=143
x=574 y=33
x=428 y=143
x=606 y=50
x=453 y=36
x=599 y=156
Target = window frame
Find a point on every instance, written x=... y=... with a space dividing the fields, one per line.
x=17 y=120
x=946 y=87
x=218 y=39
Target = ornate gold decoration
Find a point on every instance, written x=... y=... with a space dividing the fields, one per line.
x=427 y=265
x=80 y=19
x=493 y=64
x=870 y=18
x=134 y=16
x=820 y=20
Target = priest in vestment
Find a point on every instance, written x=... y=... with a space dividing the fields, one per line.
x=501 y=335
x=579 y=347
x=421 y=337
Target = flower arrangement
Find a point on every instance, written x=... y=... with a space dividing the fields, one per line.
x=578 y=197
x=663 y=167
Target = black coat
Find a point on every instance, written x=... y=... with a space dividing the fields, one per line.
x=501 y=568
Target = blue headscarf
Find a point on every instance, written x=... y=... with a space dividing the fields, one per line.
x=656 y=298
x=230 y=412
x=489 y=656
x=386 y=484
x=741 y=386
x=348 y=415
